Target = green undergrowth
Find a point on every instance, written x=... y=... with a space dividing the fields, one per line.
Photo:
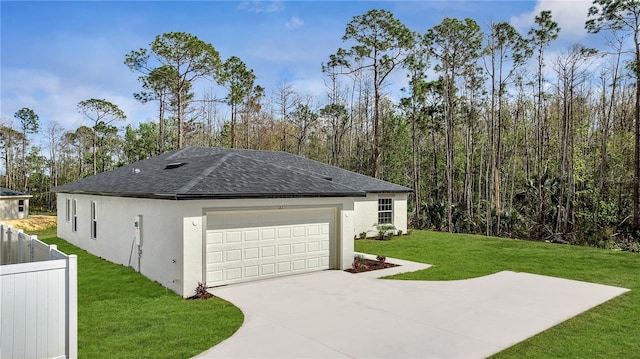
x=122 y=314
x=611 y=330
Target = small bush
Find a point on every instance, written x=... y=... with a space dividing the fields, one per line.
x=358 y=262
x=385 y=231
x=201 y=292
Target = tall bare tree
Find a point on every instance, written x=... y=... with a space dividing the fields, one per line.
x=624 y=15
x=545 y=31
x=382 y=43
x=505 y=52
x=29 y=124
x=455 y=44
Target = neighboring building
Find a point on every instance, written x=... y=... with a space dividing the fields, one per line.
x=224 y=216
x=13 y=204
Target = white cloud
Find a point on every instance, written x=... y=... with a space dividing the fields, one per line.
x=259 y=6
x=294 y=22
x=55 y=100
x=310 y=86
x=569 y=14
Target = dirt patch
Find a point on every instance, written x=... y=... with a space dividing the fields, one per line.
x=366 y=265
x=33 y=223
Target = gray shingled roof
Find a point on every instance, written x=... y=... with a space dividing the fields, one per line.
x=202 y=172
x=5 y=192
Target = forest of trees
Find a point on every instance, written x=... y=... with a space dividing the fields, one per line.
x=494 y=135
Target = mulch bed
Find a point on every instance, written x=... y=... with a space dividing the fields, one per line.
x=201 y=296
x=369 y=265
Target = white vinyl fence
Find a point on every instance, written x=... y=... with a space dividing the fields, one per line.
x=38 y=298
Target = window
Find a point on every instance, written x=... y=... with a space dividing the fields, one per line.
x=21 y=205
x=74 y=216
x=94 y=221
x=68 y=210
x=385 y=211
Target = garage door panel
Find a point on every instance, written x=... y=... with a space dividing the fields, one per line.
x=214 y=237
x=284 y=233
x=299 y=248
x=268 y=233
x=233 y=237
x=251 y=253
x=214 y=257
x=313 y=230
x=313 y=262
x=299 y=264
x=251 y=271
x=325 y=245
x=284 y=267
x=268 y=251
x=299 y=231
x=284 y=249
x=251 y=235
x=267 y=269
x=313 y=246
x=233 y=255
x=234 y=273
x=214 y=276
x=243 y=246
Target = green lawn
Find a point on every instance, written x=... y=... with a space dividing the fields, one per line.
x=611 y=330
x=122 y=314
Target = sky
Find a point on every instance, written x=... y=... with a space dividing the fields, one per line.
x=54 y=54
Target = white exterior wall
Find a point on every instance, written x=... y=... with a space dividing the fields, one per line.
x=400 y=219
x=367 y=212
x=161 y=233
x=9 y=208
x=172 y=232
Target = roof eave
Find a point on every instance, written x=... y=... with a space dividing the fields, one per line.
x=191 y=196
x=269 y=195
x=408 y=190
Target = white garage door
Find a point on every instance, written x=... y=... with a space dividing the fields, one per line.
x=249 y=245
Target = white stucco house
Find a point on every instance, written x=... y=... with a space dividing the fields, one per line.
x=222 y=216
x=13 y=204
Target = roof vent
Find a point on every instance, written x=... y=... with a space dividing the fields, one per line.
x=173 y=165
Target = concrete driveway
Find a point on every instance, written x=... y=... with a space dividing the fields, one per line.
x=334 y=314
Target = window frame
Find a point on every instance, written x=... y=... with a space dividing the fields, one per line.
x=74 y=215
x=67 y=207
x=385 y=210
x=21 y=206
x=94 y=220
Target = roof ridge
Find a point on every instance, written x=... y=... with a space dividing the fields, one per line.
x=176 y=153
x=206 y=172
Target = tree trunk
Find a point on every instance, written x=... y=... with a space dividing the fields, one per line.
x=636 y=152
x=376 y=121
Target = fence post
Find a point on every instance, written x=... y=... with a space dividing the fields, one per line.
x=72 y=306
x=52 y=247
x=32 y=245
x=2 y=240
x=9 y=245
x=19 y=233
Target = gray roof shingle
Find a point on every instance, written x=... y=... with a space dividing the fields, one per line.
x=5 y=192
x=202 y=172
